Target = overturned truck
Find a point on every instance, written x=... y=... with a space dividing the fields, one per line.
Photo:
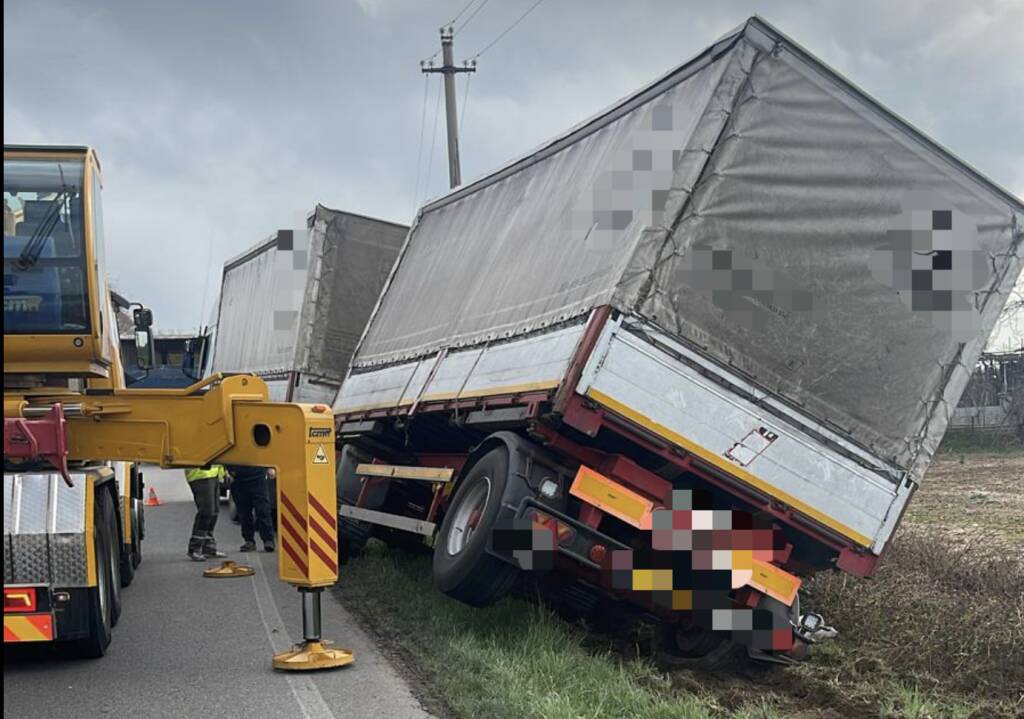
x=292 y=308
x=683 y=356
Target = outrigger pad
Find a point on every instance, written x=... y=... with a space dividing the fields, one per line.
x=229 y=569
x=310 y=656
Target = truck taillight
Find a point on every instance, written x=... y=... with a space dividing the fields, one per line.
x=19 y=599
x=562 y=531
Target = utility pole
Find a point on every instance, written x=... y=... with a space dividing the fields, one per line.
x=449 y=70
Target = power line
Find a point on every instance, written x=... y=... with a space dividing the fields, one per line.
x=419 y=152
x=471 y=16
x=507 y=30
x=454 y=20
x=461 y=12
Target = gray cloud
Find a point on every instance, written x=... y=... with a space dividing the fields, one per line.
x=217 y=122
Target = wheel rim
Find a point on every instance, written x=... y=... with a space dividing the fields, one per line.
x=467 y=516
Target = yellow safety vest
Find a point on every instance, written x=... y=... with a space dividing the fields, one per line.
x=195 y=473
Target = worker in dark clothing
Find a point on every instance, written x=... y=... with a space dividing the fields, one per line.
x=204 y=483
x=249 y=489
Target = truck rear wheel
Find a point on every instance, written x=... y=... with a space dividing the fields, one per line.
x=689 y=645
x=352 y=534
x=112 y=544
x=101 y=596
x=138 y=531
x=128 y=561
x=462 y=567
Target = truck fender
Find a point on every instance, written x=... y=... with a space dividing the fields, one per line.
x=528 y=465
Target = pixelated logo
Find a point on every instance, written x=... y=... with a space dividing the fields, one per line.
x=931 y=258
x=744 y=287
x=634 y=191
x=531 y=540
x=698 y=557
x=291 y=261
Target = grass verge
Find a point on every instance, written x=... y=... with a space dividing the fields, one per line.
x=515 y=660
x=936 y=633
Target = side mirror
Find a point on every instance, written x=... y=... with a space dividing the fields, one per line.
x=188 y=360
x=145 y=354
x=145 y=350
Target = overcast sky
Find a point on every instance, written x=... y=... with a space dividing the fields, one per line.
x=218 y=122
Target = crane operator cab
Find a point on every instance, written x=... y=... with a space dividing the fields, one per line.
x=54 y=269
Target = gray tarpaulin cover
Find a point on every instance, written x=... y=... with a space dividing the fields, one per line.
x=299 y=301
x=755 y=205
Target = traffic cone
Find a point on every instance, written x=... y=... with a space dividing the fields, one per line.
x=151 y=500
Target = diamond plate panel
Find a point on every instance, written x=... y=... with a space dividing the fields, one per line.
x=8 y=560
x=68 y=560
x=31 y=559
x=44 y=525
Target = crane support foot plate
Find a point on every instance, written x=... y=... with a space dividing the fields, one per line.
x=313 y=655
x=229 y=569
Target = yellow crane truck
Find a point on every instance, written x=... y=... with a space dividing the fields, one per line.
x=74 y=436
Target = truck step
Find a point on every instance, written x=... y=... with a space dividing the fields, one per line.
x=397 y=521
x=395 y=471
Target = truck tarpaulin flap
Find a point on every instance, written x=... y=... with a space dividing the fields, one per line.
x=755 y=205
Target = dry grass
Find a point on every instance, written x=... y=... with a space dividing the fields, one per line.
x=939 y=615
x=941 y=623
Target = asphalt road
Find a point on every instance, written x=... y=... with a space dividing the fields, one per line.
x=187 y=646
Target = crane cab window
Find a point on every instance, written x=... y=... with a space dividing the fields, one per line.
x=45 y=289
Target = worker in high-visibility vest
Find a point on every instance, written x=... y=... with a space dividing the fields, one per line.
x=205 y=485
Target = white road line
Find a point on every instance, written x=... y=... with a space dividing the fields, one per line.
x=305 y=691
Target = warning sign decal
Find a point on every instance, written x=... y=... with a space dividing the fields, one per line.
x=321 y=455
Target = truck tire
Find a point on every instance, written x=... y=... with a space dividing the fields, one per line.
x=100 y=621
x=112 y=542
x=128 y=550
x=687 y=645
x=352 y=534
x=402 y=541
x=352 y=538
x=138 y=531
x=127 y=568
x=462 y=568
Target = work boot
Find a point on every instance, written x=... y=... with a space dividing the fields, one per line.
x=268 y=545
x=249 y=546
x=195 y=549
x=210 y=550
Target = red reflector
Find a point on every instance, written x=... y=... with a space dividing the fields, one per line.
x=563 y=532
x=19 y=599
x=597 y=553
x=320 y=408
